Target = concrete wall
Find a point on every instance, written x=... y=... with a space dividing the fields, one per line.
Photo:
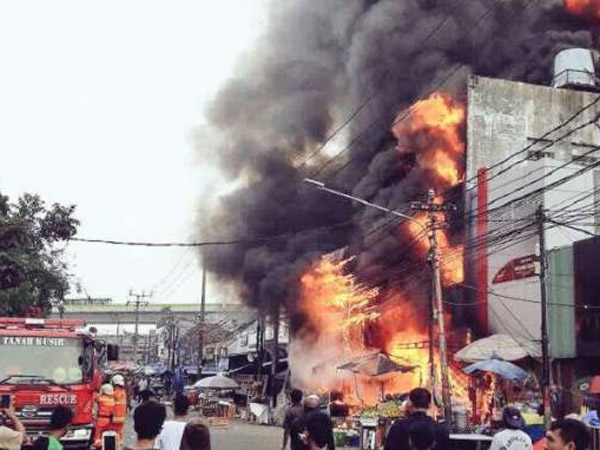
x=503 y=118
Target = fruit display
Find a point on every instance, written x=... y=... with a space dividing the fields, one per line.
x=387 y=409
x=369 y=412
x=391 y=409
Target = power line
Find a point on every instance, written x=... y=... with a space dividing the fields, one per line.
x=184 y=277
x=585 y=307
x=447 y=76
x=375 y=92
x=548 y=145
x=543 y=138
x=212 y=243
x=167 y=280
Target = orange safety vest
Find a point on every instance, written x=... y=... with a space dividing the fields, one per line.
x=106 y=406
x=120 y=411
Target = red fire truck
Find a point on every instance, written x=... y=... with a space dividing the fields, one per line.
x=50 y=362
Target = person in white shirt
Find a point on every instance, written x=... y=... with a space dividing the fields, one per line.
x=512 y=437
x=172 y=432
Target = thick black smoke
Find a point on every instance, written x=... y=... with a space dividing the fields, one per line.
x=319 y=61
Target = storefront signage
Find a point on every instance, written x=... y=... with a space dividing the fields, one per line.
x=517 y=269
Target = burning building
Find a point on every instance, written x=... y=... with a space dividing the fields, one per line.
x=371 y=97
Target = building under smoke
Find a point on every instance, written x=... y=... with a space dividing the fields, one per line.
x=531 y=147
x=351 y=69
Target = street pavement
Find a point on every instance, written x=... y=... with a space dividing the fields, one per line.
x=238 y=436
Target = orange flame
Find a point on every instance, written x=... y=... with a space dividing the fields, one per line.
x=434 y=131
x=459 y=382
x=338 y=309
x=339 y=312
x=327 y=293
x=584 y=8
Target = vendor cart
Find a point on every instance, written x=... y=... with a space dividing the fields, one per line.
x=373 y=430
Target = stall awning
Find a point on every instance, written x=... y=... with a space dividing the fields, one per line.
x=377 y=364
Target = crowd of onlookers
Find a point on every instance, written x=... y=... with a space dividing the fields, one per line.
x=13 y=434
x=306 y=428
x=152 y=429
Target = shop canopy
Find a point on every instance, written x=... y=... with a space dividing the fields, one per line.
x=505 y=369
x=378 y=364
x=499 y=346
x=216 y=382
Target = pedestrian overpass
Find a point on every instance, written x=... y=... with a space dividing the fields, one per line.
x=113 y=313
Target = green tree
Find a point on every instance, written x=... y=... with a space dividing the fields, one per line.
x=33 y=274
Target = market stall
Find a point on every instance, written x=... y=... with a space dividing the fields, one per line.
x=500 y=373
x=368 y=427
x=215 y=399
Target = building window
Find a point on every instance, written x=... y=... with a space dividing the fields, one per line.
x=536 y=155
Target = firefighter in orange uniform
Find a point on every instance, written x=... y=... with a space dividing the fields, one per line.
x=120 y=411
x=106 y=407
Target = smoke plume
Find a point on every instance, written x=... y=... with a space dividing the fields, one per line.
x=317 y=62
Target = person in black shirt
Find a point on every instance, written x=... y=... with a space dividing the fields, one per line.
x=148 y=420
x=299 y=427
x=418 y=423
x=317 y=435
x=295 y=412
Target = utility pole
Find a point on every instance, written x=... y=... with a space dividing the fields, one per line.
x=115 y=317
x=433 y=225
x=432 y=374
x=260 y=345
x=202 y=319
x=172 y=342
x=540 y=219
x=138 y=302
x=275 y=350
x=275 y=342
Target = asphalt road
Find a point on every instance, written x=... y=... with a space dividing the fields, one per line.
x=237 y=436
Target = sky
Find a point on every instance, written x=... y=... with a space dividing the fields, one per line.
x=99 y=102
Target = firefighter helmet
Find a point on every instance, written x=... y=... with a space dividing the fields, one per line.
x=118 y=380
x=107 y=389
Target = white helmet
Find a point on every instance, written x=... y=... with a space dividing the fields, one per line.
x=107 y=389
x=118 y=380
